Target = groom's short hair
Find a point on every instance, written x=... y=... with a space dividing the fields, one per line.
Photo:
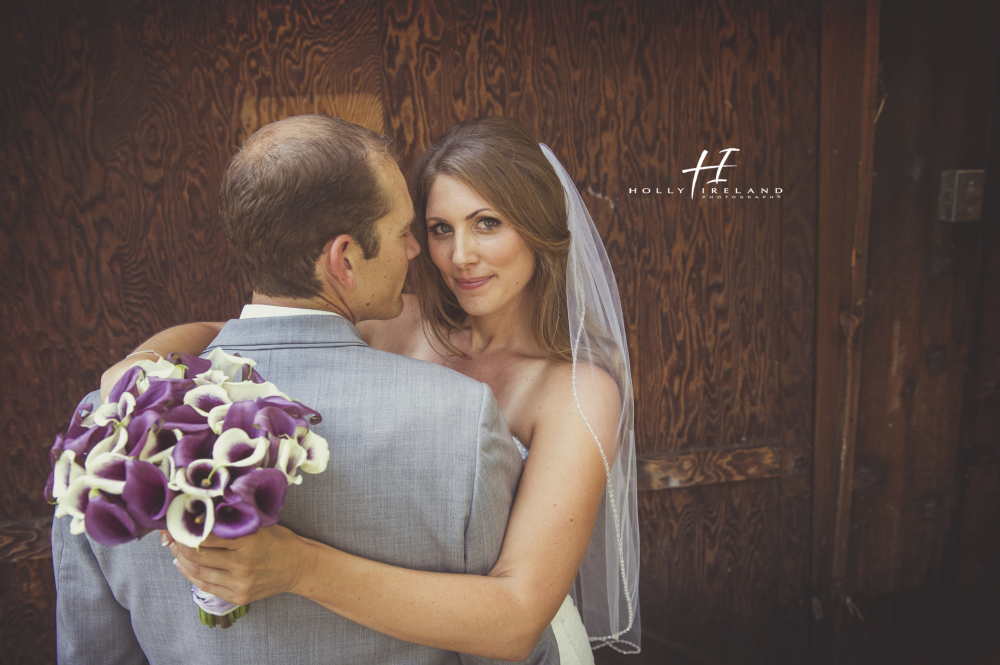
x=295 y=185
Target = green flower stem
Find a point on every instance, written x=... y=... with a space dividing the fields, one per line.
x=225 y=621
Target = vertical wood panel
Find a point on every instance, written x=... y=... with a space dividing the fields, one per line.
x=922 y=278
x=798 y=321
x=975 y=550
x=848 y=66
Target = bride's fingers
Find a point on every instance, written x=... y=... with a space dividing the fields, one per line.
x=218 y=590
x=206 y=556
x=204 y=575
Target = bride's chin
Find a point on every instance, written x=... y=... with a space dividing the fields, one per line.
x=471 y=307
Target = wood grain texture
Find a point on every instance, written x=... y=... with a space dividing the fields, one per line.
x=707 y=467
x=26 y=540
x=628 y=95
x=27 y=613
x=796 y=360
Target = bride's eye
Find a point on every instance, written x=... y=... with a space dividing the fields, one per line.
x=489 y=223
x=440 y=229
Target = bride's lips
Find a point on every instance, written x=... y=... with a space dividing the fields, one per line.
x=472 y=284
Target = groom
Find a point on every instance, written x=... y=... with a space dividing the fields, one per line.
x=422 y=469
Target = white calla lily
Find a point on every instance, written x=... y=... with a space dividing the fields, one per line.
x=105 y=463
x=231 y=366
x=114 y=442
x=77 y=526
x=146 y=453
x=161 y=369
x=201 y=478
x=167 y=466
x=290 y=457
x=231 y=447
x=248 y=390
x=217 y=417
x=317 y=453
x=211 y=377
x=65 y=472
x=190 y=519
x=204 y=399
x=104 y=414
x=74 y=501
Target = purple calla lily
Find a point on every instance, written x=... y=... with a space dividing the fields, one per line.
x=275 y=422
x=159 y=443
x=158 y=396
x=79 y=425
x=194 y=364
x=108 y=522
x=138 y=429
x=49 y=487
x=205 y=398
x=265 y=490
x=185 y=419
x=86 y=441
x=292 y=408
x=194 y=446
x=235 y=448
x=146 y=494
x=235 y=519
x=126 y=384
x=242 y=415
x=202 y=478
x=106 y=472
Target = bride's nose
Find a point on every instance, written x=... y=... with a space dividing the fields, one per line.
x=465 y=248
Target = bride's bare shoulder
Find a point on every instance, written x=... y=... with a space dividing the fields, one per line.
x=563 y=393
x=401 y=335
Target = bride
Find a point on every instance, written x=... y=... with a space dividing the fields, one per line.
x=514 y=289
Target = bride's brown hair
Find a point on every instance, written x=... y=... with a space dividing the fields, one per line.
x=501 y=160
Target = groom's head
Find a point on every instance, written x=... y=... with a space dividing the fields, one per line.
x=317 y=209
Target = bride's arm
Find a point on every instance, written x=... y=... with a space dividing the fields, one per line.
x=501 y=615
x=190 y=338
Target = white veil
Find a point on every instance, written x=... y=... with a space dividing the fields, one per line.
x=606 y=589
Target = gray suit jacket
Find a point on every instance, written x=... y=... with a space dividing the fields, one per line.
x=422 y=474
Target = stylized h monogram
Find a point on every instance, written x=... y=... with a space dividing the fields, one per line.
x=718 y=173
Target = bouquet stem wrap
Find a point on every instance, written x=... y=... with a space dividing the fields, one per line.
x=214 y=611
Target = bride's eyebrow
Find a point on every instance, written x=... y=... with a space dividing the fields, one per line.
x=467 y=217
x=473 y=214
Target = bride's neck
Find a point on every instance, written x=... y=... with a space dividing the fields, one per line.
x=508 y=328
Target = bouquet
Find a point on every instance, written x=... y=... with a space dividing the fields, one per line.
x=191 y=445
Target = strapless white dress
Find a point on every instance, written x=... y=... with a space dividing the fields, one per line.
x=571 y=635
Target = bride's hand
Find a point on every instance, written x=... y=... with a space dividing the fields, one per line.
x=274 y=560
x=190 y=338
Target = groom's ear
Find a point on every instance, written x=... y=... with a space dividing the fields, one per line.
x=340 y=260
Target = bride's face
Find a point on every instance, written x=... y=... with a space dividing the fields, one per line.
x=483 y=259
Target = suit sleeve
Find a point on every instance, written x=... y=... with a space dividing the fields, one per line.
x=91 y=627
x=498 y=472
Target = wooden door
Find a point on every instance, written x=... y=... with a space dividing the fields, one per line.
x=119 y=117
